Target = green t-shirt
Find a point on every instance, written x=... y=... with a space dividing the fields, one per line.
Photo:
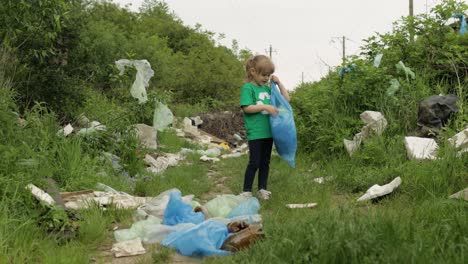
x=256 y=124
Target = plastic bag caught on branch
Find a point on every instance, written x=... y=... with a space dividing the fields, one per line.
x=143 y=76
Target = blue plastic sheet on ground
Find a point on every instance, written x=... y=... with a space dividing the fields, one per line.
x=249 y=207
x=283 y=128
x=204 y=239
x=462 y=23
x=178 y=212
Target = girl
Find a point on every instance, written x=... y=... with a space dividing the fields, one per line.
x=255 y=102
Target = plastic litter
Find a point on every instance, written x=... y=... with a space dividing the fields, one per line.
x=212 y=152
x=143 y=76
x=222 y=205
x=393 y=88
x=94 y=127
x=421 y=148
x=408 y=72
x=128 y=248
x=378 y=191
x=463 y=194
x=346 y=69
x=157 y=205
x=232 y=155
x=189 y=128
x=163 y=117
x=138 y=229
x=65 y=131
x=377 y=60
x=460 y=141
x=249 y=207
x=205 y=158
x=434 y=112
x=179 y=212
x=161 y=163
x=196 y=121
x=283 y=128
x=307 y=205
x=40 y=194
x=462 y=22
x=204 y=239
x=147 y=136
x=375 y=124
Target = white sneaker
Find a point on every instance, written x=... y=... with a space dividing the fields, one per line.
x=246 y=194
x=263 y=194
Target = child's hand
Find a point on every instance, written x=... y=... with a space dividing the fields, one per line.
x=271 y=110
x=275 y=79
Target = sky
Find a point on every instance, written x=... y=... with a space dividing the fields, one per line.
x=305 y=35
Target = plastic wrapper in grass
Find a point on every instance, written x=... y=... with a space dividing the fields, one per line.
x=283 y=128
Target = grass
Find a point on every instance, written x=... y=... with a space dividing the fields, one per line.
x=415 y=224
x=418 y=223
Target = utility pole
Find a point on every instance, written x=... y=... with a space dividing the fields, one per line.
x=344 y=50
x=270 y=51
x=411 y=8
x=302 y=82
x=411 y=17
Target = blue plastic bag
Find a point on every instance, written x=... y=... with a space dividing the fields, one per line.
x=283 y=128
x=249 y=207
x=204 y=239
x=462 y=23
x=179 y=212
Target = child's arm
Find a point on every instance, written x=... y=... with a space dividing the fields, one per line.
x=250 y=109
x=283 y=90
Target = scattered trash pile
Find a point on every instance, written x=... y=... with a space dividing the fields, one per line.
x=433 y=114
x=225 y=224
x=228 y=125
x=191 y=131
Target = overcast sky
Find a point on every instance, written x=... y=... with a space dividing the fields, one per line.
x=305 y=34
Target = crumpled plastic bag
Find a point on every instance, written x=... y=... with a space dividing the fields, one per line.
x=249 y=207
x=204 y=239
x=393 y=88
x=157 y=206
x=222 y=205
x=143 y=76
x=461 y=16
x=408 y=72
x=178 y=212
x=138 y=229
x=283 y=128
x=163 y=116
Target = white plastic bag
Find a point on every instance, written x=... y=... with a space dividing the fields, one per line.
x=143 y=76
x=163 y=117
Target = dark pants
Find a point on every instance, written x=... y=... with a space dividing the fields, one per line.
x=259 y=159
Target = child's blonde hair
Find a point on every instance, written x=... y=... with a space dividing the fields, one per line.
x=261 y=64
